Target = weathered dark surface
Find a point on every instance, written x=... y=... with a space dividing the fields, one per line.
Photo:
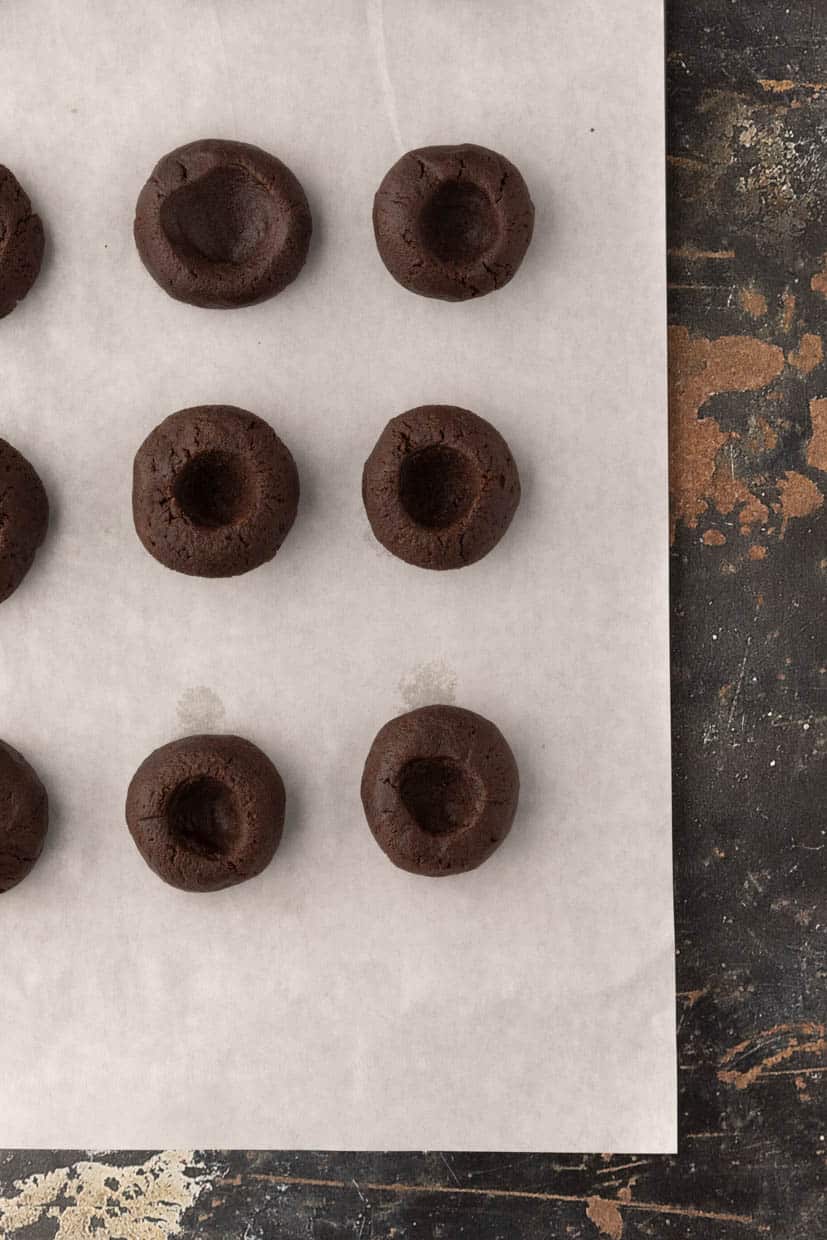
x=748 y=259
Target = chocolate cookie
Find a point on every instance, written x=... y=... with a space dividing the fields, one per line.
x=453 y=222
x=440 y=790
x=24 y=517
x=206 y=811
x=21 y=242
x=222 y=224
x=440 y=487
x=24 y=817
x=214 y=491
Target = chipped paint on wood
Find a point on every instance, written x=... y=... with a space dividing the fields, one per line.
x=817 y=447
x=754 y=1058
x=809 y=355
x=141 y=1202
x=753 y=302
x=798 y=497
x=606 y=1217
x=701 y=368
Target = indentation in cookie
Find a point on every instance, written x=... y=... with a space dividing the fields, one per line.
x=203 y=816
x=437 y=486
x=213 y=490
x=439 y=795
x=223 y=216
x=458 y=222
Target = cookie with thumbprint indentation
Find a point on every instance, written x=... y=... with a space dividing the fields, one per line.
x=206 y=812
x=440 y=790
x=24 y=517
x=222 y=224
x=440 y=487
x=24 y=817
x=214 y=492
x=21 y=242
x=453 y=222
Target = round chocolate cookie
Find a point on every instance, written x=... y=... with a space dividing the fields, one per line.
x=440 y=790
x=206 y=812
x=222 y=224
x=24 y=817
x=24 y=517
x=21 y=242
x=214 y=491
x=440 y=487
x=453 y=222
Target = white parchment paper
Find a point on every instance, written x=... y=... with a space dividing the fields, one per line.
x=336 y=1001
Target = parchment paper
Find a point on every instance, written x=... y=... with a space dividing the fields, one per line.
x=336 y=1001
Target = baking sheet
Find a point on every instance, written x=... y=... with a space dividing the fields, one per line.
x=335 y=1001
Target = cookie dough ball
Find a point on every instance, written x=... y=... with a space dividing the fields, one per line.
x=24 y=517
x=206 y=812
x=222 y=224
x=440 y=487
x=24 y=817
x=21 y=242
x=440 y=790
x=214 y=492
x=453 y=222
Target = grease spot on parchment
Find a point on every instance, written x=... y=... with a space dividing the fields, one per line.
x=200 y=709
x=429 y=683
x=145 y=1201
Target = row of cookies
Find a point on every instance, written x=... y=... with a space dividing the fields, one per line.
x=216 y=491
x=223 y=224
x=439 y=790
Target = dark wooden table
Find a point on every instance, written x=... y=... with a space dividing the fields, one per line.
x=747 y=162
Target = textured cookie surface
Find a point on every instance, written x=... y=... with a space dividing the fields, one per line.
x=440 y=487
x=440 y=790
x=24 y=817
x=21 y=242
x=214 y=491
x=206 y=812
x=222 y=224
x=24 y=517
x=453 y=222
